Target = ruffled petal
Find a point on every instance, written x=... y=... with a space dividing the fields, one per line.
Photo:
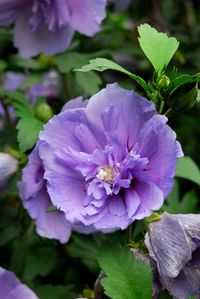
x=31 y=43
x=86 y=16
x=127 y=113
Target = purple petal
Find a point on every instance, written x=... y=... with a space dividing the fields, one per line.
x=151 y=199
x=169 y=246
x=87 y=16
x=75 y=103
x=129 y=109
x=41 y=40
x=12 y=288
x=157 y=142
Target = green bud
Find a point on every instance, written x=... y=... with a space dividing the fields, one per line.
x=43 y=112
x=163 y=82
x=184 y=97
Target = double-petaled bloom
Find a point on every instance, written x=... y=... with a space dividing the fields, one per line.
x=48 y=25
x=174 y=244
x=12 y=288
x=103 y=165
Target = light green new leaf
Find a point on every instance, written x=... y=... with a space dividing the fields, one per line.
x=126 y=276
x=29 y=128
x=187 y=169
x=103 y=64
x=157 y=46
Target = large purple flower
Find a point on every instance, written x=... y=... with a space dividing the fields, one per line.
x=12 y=288
x=174 y=244
x=110 y=163
x=48 y=25
x=36 y=199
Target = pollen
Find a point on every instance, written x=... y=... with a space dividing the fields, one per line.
x=105 y=174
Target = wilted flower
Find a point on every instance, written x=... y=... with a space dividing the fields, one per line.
x=48 y=26
x=110 y=163
x=174 y=244
x=8 y=166
x=12 y=288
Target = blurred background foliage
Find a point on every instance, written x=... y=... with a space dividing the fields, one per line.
x=55 y=271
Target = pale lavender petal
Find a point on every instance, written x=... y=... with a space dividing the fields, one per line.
x=75 y=103
x=12 y=288
x=151 y=199
x=126 y=112
x=87 y=16
x=41 y=40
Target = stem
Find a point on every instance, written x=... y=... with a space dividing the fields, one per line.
x=169 y=112
x=67 y=86
x=129 y=233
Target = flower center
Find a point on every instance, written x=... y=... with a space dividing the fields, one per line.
x=105 y=174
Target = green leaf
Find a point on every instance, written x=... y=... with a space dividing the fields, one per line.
x=126 y=276
x=157 y=46
x=187 y=205
x=86 y=250
x=90 y=82
x=29 y=128
x=102 y=64
x=187 y=169
x=54 y=292
x=39 y=262
x=8 y=235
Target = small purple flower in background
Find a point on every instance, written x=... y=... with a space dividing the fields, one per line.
x=174 y=244
x=13 y=80
x=110 y=163
x=8 y=166
x=12 y=288
x=48 y=26
x=48 y=88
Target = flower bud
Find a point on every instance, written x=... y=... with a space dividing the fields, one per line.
x=43 y=112
x=184 y=97
x=163 y=82
x=8 y=166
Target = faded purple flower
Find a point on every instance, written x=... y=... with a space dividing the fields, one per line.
x=13 y=80
x=48 y=88
x=12 y=288
x=48 y=26
x=174 y=244
x=110 y=163
x=8 y=166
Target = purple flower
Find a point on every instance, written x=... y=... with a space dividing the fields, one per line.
x=48 y=88
x=36 y=201
x=110 y=163
x=48 y=26
x=13 y=80
x=174 y=244
x=12 y=288
x=8 y=166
